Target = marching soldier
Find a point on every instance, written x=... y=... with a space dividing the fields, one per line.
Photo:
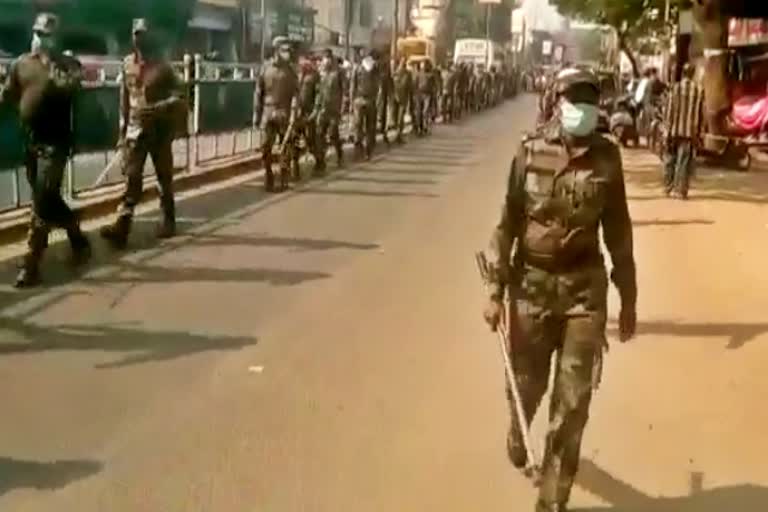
x=425 y=94
x=562 y=191
x=448 y=98
x=151 y=97
x=366 y=80
x=385 y=94
x=306 y=123
x=42 y=84
x=402 y=98
x=462 y=88
x=328 y=109
x=434 y=101
x=275 y=109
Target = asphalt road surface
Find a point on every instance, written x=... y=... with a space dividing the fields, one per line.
x=323 y=350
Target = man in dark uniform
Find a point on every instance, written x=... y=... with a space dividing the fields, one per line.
x=448 y=97
x=426 y=91
x=434 y=101
x=328 y=108
x=462 y=86
x=275 y=108
x=306 y=123
x=151 y=98
x=366 y=81
x=565 y=186
x=402 y=98
x=42 y=84
x=385 y=96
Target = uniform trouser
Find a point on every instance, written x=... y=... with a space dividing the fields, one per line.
x=308 y=130
x=275 y=128
x=135 y=153
x=447 y=106
x=423 y=111
x=328 y=128
x=383 y=116
x=365 y=124
x=398 y=115
x=45 y=172
x=678 y=165
x=577 y=342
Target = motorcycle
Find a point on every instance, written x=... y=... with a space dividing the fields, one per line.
x=623 y=125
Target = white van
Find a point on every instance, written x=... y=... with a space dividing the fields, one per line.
x=478 y=51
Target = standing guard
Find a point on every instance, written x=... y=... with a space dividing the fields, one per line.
x=402 y=98
x=306 y=123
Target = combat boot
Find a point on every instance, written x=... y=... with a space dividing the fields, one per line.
x=544 y=507
x=81 y=247
x=29 y=273
x=269 y=180
x=319 y=169
x=516 y=448
x=167 y=229
x=117 y=234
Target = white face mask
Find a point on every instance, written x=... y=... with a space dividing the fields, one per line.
x=284 y=56
x=368 y=63
x=41 y=44
x=579 y=119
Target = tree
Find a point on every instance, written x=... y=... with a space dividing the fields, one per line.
x=630 y=19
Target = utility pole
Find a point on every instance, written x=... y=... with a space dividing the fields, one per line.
x=395 y=28
x=487 y=35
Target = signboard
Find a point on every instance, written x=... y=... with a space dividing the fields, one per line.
x=559 y=52
x=546 y=48
x=518 y=21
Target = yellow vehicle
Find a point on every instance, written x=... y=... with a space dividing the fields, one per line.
x=415 y=48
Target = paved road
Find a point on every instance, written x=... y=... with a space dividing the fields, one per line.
x=323 y=351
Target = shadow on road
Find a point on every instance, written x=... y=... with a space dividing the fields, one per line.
x=738 y=335
x=364 y=193
x=625 y=498
x=297 y=244
x=17 y=474
x=141 y=346
x=671 y=222
x=138 y=273
x=388 y=181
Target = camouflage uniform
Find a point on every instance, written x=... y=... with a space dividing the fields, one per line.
x=448 y=98
x=402 y=98
x=364 y=93
x=306 y=122
x=462 y=89
x=275 y=107
x=148 y=84
x=557 y=201
x=43 y=87
x=328 y=108
x=385 y=94
x=426 y=90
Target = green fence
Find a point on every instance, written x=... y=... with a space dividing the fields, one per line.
x=224 y=106
x=11 y=139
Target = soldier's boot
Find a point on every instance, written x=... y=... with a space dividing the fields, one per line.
x=29 y=273
x=116 y=234
x=81 y=246
x=339 y=156
x=285 y=177
x=516 y=448
x=545 y=507
x=319 y=169
x=167 y=228
x=295 y=170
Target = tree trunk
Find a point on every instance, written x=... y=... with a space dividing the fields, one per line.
x=714 y=36
x=624 y=47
